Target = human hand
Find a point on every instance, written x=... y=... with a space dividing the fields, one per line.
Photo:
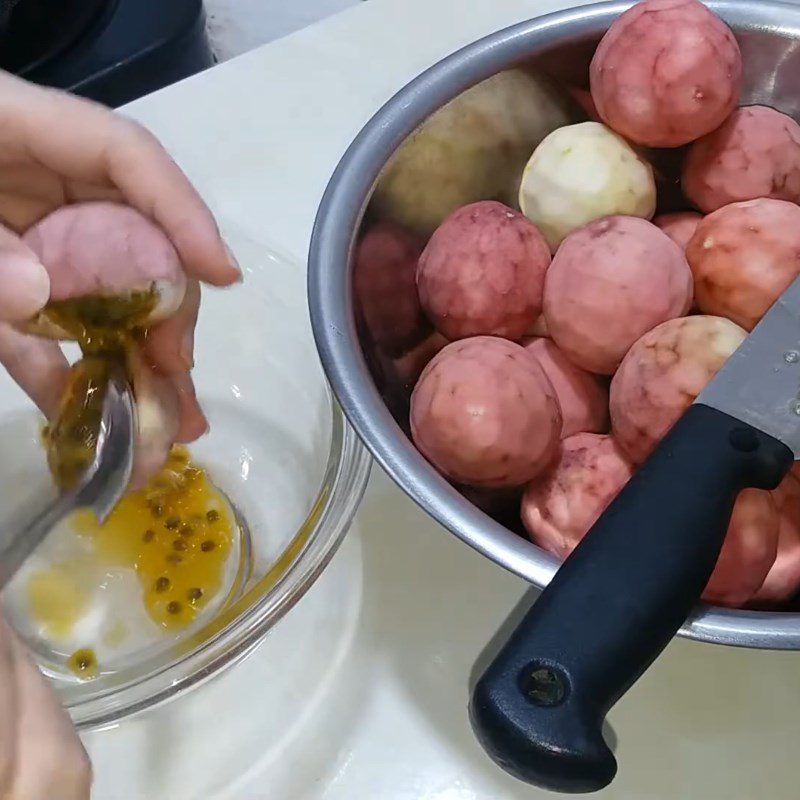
x=41 y=756
x=56 y=149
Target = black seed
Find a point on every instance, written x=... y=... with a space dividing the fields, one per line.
x=174 y=607
x=148 y=535
x=194 y=594
x=187 y=530
x=179 y=544
x=174 y=558
x=157 y=509
x=84 y=660
x=208 y=546
x=162 y=584
x=172 y=523
x=213 y=515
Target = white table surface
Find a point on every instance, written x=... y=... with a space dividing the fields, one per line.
x=379 y=713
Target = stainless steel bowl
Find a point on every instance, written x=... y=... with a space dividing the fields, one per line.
x=561 y=44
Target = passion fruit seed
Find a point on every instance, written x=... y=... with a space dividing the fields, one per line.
x=187 y=530
x=174 y=607
x=194 y=594
x=158 y=510
x=162 y=584
x=174 y=558
x=207 y=546
x=179 y=544
x=172 y=523
x=83 y=662
x=148 y=535
x=212 y=515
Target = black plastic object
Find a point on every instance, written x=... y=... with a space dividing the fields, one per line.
x=539 y=708
x=122 y=49
x=6 y=7
x=38 y=31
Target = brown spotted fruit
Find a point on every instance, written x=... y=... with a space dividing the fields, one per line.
x=485 y=415
x=482 y=273
x=384 y=280
x=583 y=397
x=743 y=257
x=679 y=226
x=661 y=376
x=559 y=509
x=666 y=73
x=783 y=579
x=754 y=153
x=610 y=282
x=748 y=552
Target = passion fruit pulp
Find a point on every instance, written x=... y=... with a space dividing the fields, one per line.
x=107 y=329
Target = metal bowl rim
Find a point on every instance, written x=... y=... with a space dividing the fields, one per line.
x=329 y=290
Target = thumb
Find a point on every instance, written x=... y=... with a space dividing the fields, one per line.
x=24 y=282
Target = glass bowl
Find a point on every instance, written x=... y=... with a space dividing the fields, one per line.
x=278 y=448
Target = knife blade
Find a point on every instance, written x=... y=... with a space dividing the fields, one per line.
x=540 y=706
x=760 y=383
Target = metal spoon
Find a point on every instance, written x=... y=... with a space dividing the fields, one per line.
x=100 y=489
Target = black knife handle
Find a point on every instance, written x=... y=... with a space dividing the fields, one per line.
x=538 y=710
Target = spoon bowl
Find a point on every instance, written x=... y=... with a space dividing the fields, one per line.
x=100 y=488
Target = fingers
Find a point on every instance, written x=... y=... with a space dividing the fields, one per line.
x=170 y=344
x=152 y=182
x=192 y=422
x=86 y=145
x=170 y=349
x=24 y=283
x=51 y=761
x=157 y=419
x=37 y=365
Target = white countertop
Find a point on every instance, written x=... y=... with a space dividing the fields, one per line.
x=379 y=712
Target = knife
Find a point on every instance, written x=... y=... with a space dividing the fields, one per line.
x=624 y=592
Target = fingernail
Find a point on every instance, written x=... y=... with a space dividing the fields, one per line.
x=233 y=263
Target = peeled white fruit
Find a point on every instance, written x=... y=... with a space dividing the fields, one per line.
x=581 y=173
x=473 y=148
